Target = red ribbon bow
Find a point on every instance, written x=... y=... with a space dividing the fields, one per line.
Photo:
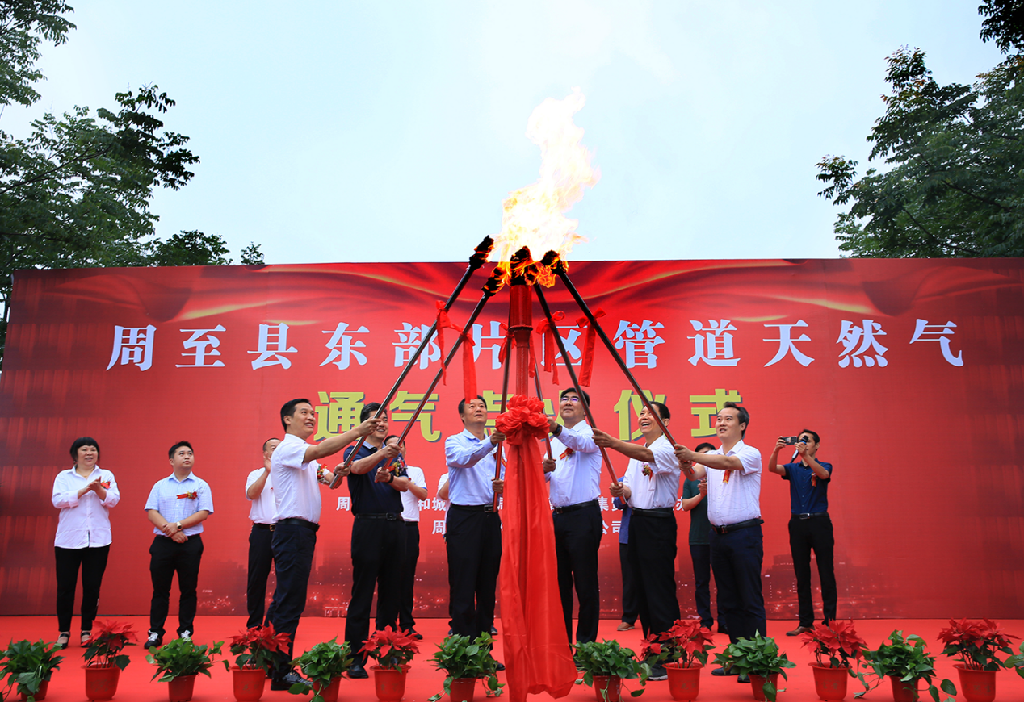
x=547 y=333
x=589 y=341
x=566 y=453
x=523 y=419
x=105 y=485
x=189 y=495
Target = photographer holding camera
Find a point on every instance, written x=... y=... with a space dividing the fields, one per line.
x=810 y=527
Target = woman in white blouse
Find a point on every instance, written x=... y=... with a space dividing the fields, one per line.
x=84 y=494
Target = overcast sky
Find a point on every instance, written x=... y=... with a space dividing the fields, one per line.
x=392 y=131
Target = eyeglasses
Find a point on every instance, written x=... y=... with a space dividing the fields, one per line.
x=574 y=400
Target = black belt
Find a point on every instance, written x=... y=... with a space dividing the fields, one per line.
x=726 y=528
x=268 y=527
x=808 y=515
x=654 y=511
x=575 y=507
x=475 y=508
x=300 y=522
x=390 y=516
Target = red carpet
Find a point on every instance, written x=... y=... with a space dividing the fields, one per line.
x=68 y=683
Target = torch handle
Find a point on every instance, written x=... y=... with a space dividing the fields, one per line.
x=478 y=259
x=504 y=400
x=572 y=375
x=540 y=396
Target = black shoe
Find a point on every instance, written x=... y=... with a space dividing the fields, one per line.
x=743 y=678
x=63 y=639
x=356 y=671
x=723 y=671
x=658 y=672
x=413 y=634
x=285 y=682
x=155 y=640
x=499 y=666
x=494 y=632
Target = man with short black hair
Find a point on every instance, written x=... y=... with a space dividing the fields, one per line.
x=378 y=537
x=810 y=528
x=650 y=488
x=733 y=475
x=177 y=506
x=259 y=490
x=474 y=528
x=574 y=484
x=296 y=475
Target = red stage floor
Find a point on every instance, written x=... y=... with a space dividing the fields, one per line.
x=424 y=680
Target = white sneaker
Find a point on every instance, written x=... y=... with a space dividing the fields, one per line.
x=186 y=635
x=154 y=640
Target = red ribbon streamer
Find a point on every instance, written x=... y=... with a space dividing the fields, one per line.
x=468 y=368
x=509 y=344
x=589 y=340
x=188 y=496
x=443 y=322
x=547 y=332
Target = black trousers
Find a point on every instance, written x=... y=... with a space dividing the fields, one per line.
x=736 y=561
x=652 y=555
x=474 y=558
x=378 y=549
x=93 y=561
x=700 y=554
x=806 y=535
x=261 y=558
x=408 y=578
x=577 y=538
x=630 y=608
x=293 y=546
x=167 y=558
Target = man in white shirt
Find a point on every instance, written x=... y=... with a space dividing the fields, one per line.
x=295 y=473
x=734 y=509
x=650 y=488
x=259 y=490
x=574 y=483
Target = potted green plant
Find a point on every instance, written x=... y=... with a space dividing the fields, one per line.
x=104 y=659
x=1016 y=661
x=178 y=662
x=29 y=666
x=466 y=660
x=684 y=650
x=975 y=644
x=905 y=662
x=392 y=650
x=256 y=649
x=605 y=664
x=323 y=665
x=760 y=659
x=836 y=647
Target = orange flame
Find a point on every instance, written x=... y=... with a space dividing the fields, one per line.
x=534 y=216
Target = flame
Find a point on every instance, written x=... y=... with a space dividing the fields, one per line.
x=534 y=216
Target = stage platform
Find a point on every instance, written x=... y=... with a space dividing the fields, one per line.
x=68 y=683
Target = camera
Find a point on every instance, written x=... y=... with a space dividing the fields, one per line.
x=790 y=440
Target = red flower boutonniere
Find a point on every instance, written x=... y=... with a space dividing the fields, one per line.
x=647 y=470
x=105 y=485
x=189 y=495
x=566 y=453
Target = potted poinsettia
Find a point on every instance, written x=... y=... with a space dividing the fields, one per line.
x=104 y=659
x=836 y=647
x=905 y=661
x=466 y=660
x=684 y=650
x=256 y=649
x=178 y=662
x=29 y=667
x=392 y=650
x=323 y=665
x=975 y=643
x=605 y=664
x=761 y=660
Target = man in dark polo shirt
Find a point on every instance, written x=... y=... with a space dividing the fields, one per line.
x=694 y=492
x=810 y=528
x=378 y=537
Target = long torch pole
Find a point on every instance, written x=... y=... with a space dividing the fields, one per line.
x=478 y=259
x=540 y=396
x=504 y=402
x=572 y=375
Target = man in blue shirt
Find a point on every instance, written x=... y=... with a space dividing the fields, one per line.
x=810 y=528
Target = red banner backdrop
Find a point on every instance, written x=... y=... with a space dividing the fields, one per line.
x=910 y=371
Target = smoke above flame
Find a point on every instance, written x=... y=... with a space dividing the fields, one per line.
x=534 y=216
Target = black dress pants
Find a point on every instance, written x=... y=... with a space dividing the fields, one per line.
x=293 y=546
x=168 y=557
x=736 y=561
x=92 y=561
x=652 y=555
x=630 y=607
x=261 y=558
x=412 y=556
x=577 y=539
x=474 y=559
x=806 y=535
x=700 y=554
x=378 y=549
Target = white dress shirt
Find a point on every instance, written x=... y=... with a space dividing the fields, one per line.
x=179 y=499
x=264 y=507
x=295 y=482
x=440 y=484
x=470 y=469
x=577 y=476
x=660 y=489
x=84 y=521
x=411 y=503
x=739 y=499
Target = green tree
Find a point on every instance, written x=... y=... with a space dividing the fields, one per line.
x=251 y=255
x=953 y=184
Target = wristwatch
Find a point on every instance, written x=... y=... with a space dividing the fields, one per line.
x=391 y=478
x=178 y=524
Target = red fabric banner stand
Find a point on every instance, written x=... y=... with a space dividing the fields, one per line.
x=537 y=654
